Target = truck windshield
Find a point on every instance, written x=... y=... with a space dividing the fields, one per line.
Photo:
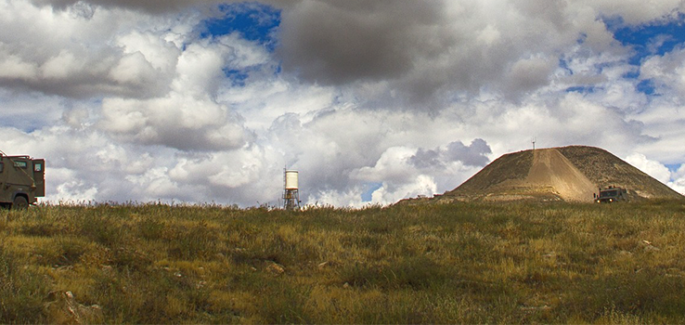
x=608 y=193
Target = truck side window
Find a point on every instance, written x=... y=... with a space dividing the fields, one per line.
x=37 y=167
x=2 y=166
x=20 y=164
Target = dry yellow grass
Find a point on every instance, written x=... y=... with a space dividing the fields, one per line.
x=459 y=263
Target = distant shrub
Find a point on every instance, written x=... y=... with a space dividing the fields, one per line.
x=411 y=272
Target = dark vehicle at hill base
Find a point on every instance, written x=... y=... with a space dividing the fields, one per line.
x=611 y=195
x=22 y=181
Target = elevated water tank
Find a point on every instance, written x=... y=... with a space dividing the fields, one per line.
x=291 y=180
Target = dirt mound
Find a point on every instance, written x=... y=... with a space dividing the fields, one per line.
x=570 y=174
x=604 y=169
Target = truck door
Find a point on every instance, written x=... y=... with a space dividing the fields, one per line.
x=39 y=176
x=5 y=196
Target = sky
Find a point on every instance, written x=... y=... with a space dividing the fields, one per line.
x=203 y=101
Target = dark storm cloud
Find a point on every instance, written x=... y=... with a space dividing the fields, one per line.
x=147 y=6
x=471 y=155
x=151 y=6
x=89 y=85
x=334 y=42
x=425 y=52
x=427 y=159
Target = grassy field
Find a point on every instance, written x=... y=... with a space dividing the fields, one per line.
x=458 y=263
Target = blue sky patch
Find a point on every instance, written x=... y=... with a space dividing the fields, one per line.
x=646 y=40
x=369 y=188
x=646 y=87
x=673 y=167
x=581 y=89
x=564 y=65
x=632 y=74
x=254 y=21
x=238 y=77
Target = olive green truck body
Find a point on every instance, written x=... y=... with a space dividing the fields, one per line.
x=22 y=180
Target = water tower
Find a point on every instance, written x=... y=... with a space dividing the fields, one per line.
x=291 y=195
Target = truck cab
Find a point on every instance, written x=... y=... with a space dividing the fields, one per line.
x=611 y=195
x=22 y=181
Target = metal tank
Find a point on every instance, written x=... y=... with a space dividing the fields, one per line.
x=291 y=180
x=291 y=195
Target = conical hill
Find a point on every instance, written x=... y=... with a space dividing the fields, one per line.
x=571 y=173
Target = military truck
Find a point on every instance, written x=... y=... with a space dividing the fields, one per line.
x=611 y=194
x=22 y=180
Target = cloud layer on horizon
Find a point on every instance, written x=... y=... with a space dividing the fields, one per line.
x=139 y=101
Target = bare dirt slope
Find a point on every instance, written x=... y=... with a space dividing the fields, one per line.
x=551 y=169
x=569 y=174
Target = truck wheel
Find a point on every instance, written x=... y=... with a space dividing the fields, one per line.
x=20 y=203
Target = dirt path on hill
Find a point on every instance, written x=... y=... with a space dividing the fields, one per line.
x=551 y=168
